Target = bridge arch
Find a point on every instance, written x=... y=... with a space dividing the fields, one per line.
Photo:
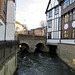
x=24 y=47
x=39 y=47
x=33 y=42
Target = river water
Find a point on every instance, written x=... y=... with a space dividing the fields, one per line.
x=41 y=64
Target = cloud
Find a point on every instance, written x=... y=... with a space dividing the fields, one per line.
x=33 y=11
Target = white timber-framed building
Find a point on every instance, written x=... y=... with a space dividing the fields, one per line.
x=53 y=17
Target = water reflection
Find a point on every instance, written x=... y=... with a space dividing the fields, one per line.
x=41 y=64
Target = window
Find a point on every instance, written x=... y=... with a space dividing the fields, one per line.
x=49 y=35
x=74 y=14
x=70 y=16
x=50 y=24
x=4 y=6
x=71 y=1
x=57 y=10
x=66 y=3
x=65 y=34
x=59 y=23
x=73 y=33
x=66 y=18
x=50 y=13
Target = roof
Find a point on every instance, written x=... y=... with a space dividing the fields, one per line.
x=48 y=6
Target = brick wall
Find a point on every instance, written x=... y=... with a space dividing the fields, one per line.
x=2 y=12
x=29 y=37
x=38 y=31
x=63 y=11
x=68 y=8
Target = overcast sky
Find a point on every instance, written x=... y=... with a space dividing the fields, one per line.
x=31 y=12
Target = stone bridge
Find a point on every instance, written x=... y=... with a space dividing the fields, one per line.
x=33 y=43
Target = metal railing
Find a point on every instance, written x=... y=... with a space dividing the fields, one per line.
x=7 y=48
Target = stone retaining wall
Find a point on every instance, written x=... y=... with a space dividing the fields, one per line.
x=9 y=67
x=67 y=53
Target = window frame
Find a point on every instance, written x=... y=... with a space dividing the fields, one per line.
x=4 y=7
x=67 y=34
x=72 y=33
x=66 y=17
x=66 y=4
x=50 y=13
x=56 y=10
x=49 y=37
x=73 y=14
x=50 y=24
x=59 y=24
x=70 y=16
x=72 y=1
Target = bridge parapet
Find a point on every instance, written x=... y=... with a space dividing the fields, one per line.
x=7 y=49
x=30 y=37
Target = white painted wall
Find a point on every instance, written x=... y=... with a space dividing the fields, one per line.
x=2 y=30
x=10 y=25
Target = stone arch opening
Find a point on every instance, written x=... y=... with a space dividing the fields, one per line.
x=39 y=48
x=52 y=49
x=24 y=47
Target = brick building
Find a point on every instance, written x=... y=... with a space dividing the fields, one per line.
x=38 y=31
x=68 y=21
x=3 y=5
